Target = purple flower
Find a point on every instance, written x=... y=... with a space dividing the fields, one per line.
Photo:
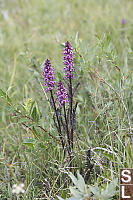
x=123 y=21
x=48 y=74
x=68 y=60
x=62 y=94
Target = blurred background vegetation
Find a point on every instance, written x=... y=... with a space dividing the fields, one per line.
x=33 y=30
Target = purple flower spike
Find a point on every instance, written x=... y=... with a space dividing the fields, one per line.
x=68 y=60
x=62 y=94
x=48 y=74
x=123 y=21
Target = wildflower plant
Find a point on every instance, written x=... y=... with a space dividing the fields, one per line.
x=68 y=61
x=69 y=69
x=62 y=94
x=35 y=130
x=48 y=74
x=61 y=97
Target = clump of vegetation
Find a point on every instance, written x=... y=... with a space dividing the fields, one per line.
x=81 y=119
x=82 y=192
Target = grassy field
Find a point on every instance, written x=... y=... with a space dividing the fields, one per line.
x=32 y=31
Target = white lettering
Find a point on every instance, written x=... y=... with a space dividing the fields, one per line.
x=126 y=176
x=123 y=193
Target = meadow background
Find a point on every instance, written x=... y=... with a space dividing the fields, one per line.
x=30 y=32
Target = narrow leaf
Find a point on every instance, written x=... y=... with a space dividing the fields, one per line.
x=3 y=94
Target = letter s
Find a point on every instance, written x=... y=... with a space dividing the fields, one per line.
x=126 y=176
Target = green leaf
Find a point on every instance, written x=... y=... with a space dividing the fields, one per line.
x=75 y=192
x=32 y=106
x=21 y=107
x=29 y=142
x=34 y=114
x=62 y=45
x=35 y=133
x=28 y=104
x=76 y=39
x=75 y=198
x=94 y=189
x=81 y=183
x=129 y=149
x=38 y=110
x=59 y=198
x=12 y=108
x=35 y=111
x=22 y=120
x=3 y=94
x=110 y=189
x=74 y=179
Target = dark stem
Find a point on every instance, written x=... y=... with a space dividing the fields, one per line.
x=89 y=166
x=71 y=111
x=61 y=119
x=32 y=120
x=74 y=90
x=68 y=138
x=74 y=114
x=58 y=121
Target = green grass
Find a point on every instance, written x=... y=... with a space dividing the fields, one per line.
x=30 y=32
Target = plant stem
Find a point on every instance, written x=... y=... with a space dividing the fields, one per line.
x=58 y=121
x=68 y=138
x=32 y=120
x=71 y=117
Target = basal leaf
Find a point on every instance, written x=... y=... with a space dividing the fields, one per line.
x=3 y=94
x=74 y=179
x=81 y=183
